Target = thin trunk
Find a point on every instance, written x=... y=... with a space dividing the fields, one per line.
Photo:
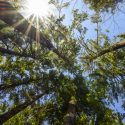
x=97 y=33
x=6 y=116
x=113 y=47
x=22 y=25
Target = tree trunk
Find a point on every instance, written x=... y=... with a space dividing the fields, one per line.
x=6 y=116
x=71 y=114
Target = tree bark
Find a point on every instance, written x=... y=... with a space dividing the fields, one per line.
x=6 y=116
x=10 y=16
x=113 y=47
x=71 y=114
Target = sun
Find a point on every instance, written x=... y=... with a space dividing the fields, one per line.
x=37 y=13
x=39 y=8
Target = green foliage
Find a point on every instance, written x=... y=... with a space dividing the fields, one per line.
x=84 y=88
x=103 y=5
x=122 y=36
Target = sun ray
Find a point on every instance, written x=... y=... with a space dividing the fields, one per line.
x=30 y=25
x=37 y=30
x=18 y=23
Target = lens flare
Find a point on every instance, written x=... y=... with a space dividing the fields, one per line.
x=39 y=8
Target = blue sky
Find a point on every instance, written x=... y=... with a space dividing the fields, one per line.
x=114 y=23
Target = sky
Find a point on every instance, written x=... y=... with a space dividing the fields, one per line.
x=114 y=23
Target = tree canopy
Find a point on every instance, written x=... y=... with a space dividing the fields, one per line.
x=54 y=74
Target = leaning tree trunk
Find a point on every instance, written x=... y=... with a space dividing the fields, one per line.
x=6 y=116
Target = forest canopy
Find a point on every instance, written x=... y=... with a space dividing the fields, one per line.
x=53 y=72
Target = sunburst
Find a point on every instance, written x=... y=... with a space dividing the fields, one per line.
x=39 y=8
x=37 y=11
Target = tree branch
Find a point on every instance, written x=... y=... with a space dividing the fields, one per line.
x=10 y=52
x=6 y=116
x=24 y=82
x=113 y=47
